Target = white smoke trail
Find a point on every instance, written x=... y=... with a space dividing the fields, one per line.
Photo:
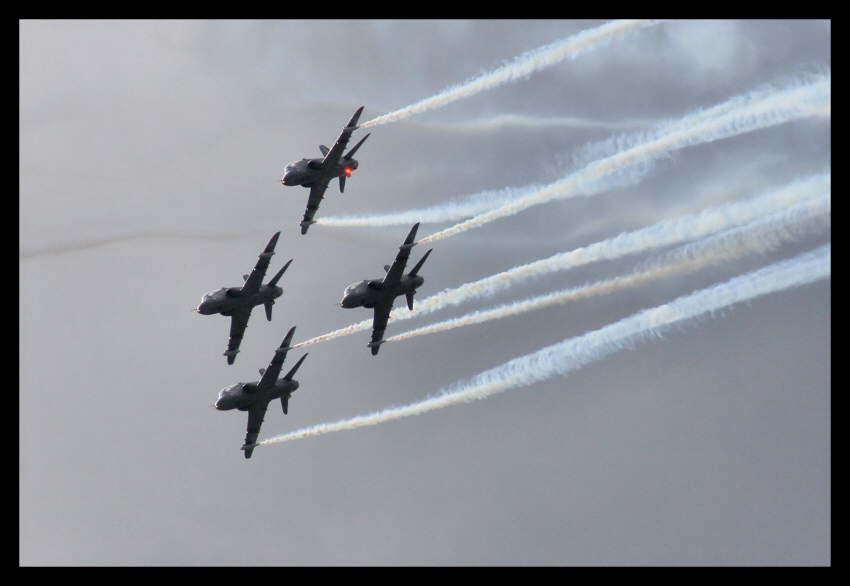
x=447 y=212
x=526 y=122
x=523 y=65
x=573 y=353
x=758 y=236
x=666 y=233
x=624 y=159
x=753 y=111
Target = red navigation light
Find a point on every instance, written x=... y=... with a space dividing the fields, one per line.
x=348 y=171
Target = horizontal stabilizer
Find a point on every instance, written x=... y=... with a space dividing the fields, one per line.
x=325 y=150
x=355 y=147
x=291 y=373
x=418 y=266
x=279 y=274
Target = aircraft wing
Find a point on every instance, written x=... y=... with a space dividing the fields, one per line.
x=272 y=373
x=379 y=325
x=238 y=324
x=256 y=414
x=335 y=154
x=396 y=271
x=317 y=192
x=255 y=279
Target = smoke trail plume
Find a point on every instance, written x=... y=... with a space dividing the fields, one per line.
x=573 y=353
x=666 y=233
x=523 y=65
x=750 y=112
x=758 y=236
x=447 y=212
x=614 y=151
x=528 y=122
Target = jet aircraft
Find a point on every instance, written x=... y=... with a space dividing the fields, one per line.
x=238 y=302
x=318 y=173
x=380 y=293
x=255 y=397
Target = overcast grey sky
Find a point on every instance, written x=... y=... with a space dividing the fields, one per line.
x=149 y=158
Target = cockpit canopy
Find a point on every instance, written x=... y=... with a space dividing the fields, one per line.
x=354 y=286
x=230 y=390
x=211 y=293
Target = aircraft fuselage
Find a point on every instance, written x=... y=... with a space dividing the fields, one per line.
x=309 y=172
x=225 y=301
x=242 y=396
x=370 y=293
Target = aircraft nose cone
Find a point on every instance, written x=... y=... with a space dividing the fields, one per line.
x=223 y=404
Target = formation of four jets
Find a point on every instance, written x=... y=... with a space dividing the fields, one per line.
x=238 y=302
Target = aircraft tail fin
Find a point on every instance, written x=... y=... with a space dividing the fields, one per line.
x=291 y=373
x=342 y=183
x=279 y=274
x=325 y=150
x=268 y=306
x=421 y=262
x=410 y=300
x=284 y=402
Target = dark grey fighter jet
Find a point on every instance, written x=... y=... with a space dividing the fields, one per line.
x=380 y=293
x=238 y=302
x=318 y=173
x=255 y=397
